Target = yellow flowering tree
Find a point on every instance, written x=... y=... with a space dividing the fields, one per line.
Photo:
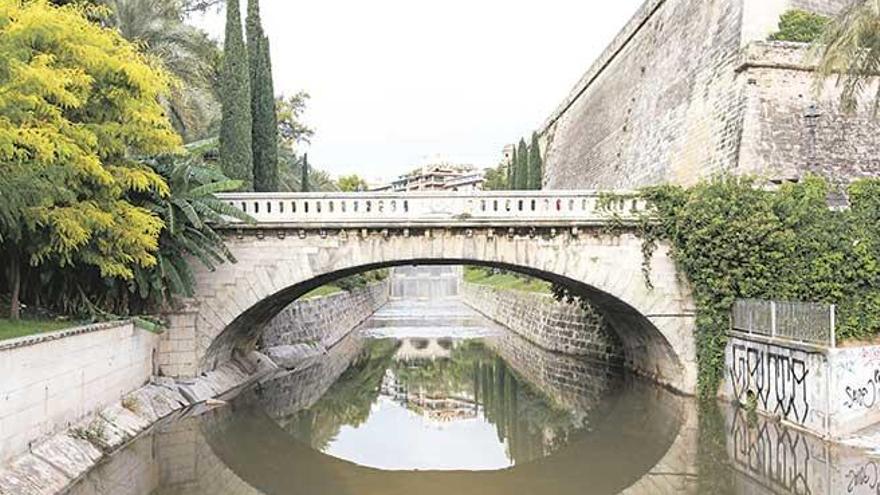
x=78 y=106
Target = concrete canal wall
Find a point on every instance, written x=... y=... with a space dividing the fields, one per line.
x=324 y=320
x=71 y=399
x=547 y=323
x=48 y=382
x=832 y=392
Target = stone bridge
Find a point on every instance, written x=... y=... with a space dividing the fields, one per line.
x=302 y=241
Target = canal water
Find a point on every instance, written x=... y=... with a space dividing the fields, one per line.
x=431 y=398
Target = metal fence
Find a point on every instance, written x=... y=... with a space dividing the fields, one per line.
x=806 y=322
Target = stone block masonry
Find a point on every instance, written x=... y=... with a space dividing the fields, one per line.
x=691 y=89
x=547 y=323
x=324 y=321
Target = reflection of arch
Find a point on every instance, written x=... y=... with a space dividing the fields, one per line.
x=642 y=425
x=232 y=304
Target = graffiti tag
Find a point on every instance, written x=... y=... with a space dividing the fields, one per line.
x=778 y=381
x=863 y=396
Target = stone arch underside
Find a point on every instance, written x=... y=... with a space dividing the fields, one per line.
x=655 y=324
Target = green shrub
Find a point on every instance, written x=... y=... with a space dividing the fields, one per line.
x=800 y=26
x=734 y=240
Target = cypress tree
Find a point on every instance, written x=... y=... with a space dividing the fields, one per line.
x=236 y=157
x=304 y=182
x=511 y=171
x=536 y=166
x=522 y=166
x=265 y=120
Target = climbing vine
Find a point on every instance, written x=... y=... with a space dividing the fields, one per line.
x=733 y=240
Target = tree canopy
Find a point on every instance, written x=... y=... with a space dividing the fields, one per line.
x=78 y=102
x=352 y=183
x=265 y=124
x=850 y=52
x=536 y=165
x=800 y=26
x=236 y=155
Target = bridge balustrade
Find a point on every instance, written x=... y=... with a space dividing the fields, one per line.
x=435 y=208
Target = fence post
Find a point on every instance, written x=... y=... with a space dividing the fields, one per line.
x=773 y=319
x=833 y=314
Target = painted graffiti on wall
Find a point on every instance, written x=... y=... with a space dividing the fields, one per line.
x=773 y=454
x=777 y=381
x=863 y=395
x=865 y=477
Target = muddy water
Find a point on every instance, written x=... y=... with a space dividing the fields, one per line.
x=430 y=398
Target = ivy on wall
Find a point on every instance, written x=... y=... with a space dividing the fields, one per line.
x=735 y=240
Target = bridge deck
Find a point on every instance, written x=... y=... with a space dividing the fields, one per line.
x=435 y=209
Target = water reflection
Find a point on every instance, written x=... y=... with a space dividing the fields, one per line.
x=441 y=404
x=488 y=415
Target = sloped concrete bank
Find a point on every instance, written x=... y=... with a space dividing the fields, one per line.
x=71 y=399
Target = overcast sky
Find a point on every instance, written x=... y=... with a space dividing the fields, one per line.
x=395 y=83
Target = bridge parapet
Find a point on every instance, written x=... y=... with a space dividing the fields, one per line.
x=485 y=208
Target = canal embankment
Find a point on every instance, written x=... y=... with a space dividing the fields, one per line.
x=308 y=327
x=783 y=360
x=553 y=325
x=52 y=380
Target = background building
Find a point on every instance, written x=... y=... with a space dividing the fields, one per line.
x=438 y=177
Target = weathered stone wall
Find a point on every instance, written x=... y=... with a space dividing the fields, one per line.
x=680 y=96
x=661 y=105
x=830 y=392
x=549 y=324
x=324 y=320
x=824 y=7
x=50 y=381
x=788 y=130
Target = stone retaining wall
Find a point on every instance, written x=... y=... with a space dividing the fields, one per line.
x=547 y=323
x=324 y=320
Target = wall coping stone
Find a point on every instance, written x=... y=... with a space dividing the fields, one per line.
x=30 y=340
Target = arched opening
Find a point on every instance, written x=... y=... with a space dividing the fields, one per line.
x=647 y=350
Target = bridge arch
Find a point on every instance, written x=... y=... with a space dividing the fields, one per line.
x=278 y=263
